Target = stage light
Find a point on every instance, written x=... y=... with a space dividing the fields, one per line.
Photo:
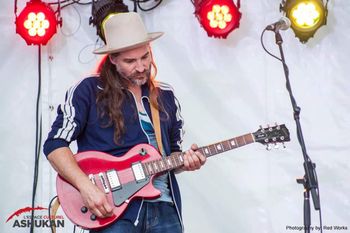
x=101 y=9
x=306 y=16
x=37 y=23
x=218 y=17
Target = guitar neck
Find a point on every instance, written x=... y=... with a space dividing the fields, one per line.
x=177 y=160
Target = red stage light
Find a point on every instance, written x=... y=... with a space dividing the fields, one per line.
x=37 y=23
x=218 y=17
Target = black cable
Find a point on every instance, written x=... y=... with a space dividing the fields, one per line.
x=319 y=197
x=78 y=27
x=38 y=132
x=71 y=1
x=68 y=4
x=262 y=43
x=82 y=3
x=327 y=4
x=135 y=5
x=85 y=47
x=326 y=12
x=58 y=2
x=75 y=2
x=59 y=18
x=274 y=56
x=142 y=1
x=151 y=8
x=138 y=3
x=15 y=8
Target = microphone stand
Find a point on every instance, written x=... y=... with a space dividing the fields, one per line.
x=309 y=180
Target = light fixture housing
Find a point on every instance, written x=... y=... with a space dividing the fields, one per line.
x=218 y=17
x=101 y=9
x=306 y=16
x=37 y=23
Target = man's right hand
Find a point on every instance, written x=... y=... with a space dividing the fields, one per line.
x=63 y=162
x=95 y=200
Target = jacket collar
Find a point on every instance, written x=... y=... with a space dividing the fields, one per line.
x=145 y=89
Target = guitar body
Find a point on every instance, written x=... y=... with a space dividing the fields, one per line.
x=94 y=162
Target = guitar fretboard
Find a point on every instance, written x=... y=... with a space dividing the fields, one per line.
x=177 y=160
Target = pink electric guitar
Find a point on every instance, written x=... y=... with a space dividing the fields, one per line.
x=130 y=176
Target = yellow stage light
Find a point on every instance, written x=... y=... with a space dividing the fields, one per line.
x=306 y=16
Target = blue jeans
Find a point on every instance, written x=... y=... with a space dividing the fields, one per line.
x=155 y=217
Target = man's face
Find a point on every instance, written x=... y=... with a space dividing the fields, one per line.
x=134 y=64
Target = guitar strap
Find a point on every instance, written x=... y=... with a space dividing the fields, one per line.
x=53 y=212
x=156 y=125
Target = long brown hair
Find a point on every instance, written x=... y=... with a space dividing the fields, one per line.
x=111 y=97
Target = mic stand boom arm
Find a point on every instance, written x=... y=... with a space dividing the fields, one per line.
x=309 y=180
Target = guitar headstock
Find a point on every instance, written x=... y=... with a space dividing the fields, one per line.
x=272 y=135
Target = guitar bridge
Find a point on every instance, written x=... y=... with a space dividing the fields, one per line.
x=103 y=182
x=92 y=179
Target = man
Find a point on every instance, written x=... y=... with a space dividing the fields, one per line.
x=111 y=113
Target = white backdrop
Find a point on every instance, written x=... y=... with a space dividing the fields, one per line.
x=226 y=87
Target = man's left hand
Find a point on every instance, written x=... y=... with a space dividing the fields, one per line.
x=193 y=159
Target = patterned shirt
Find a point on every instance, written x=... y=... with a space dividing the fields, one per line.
x=161 y=182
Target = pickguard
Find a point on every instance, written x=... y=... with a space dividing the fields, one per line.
x=127 y=190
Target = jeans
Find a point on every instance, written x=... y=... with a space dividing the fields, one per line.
x=155 y=217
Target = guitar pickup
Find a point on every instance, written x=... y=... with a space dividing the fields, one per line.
x=139 y=174
x=113 y=180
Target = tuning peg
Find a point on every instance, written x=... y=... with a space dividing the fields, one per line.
x=268 y=147
x=276 y=146
x=277 y=126
x=284 y=146
x=262 y=129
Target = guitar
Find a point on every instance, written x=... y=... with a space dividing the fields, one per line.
x=130 y=176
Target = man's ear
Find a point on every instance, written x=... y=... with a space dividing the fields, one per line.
x=110 y=57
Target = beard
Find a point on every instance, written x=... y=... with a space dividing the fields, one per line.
x=137 y=78
x=140 y=79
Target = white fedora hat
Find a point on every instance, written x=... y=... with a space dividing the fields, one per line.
x=124 y=31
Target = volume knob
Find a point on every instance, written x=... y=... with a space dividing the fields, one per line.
x=93 y=217
x=84 y=209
